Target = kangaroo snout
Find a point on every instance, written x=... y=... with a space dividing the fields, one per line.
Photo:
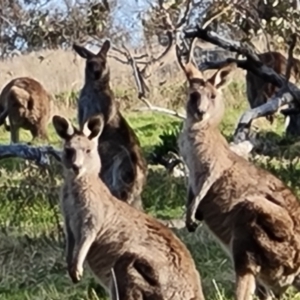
x=76 y=169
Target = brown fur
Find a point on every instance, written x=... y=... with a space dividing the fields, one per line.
x=27 y=105
x=259 y=91
x=124 y=169
x=254 y=216
x=149 y=261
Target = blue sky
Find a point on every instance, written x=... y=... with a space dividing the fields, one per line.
x=124 y=15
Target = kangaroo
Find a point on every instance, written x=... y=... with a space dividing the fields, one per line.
x=27 y=105
x=149 y=261
x=259 y=91
x=124 y=169
x=252 y=214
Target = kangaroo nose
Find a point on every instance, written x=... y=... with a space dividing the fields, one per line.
x=76 y=169
x=200 y=113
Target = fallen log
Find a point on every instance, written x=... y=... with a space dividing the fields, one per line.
x=39 y=154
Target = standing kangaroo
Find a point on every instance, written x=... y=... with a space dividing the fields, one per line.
x=252 y=214
x=149 y=261
x=27 y=105
x=124 y=169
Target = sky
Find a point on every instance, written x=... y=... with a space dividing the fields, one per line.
x=125 y=14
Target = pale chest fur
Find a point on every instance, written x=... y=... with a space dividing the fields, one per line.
x=201 y=157
x=187 y=153
x=79 y=203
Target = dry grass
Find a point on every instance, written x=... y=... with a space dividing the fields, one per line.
x=62 y=71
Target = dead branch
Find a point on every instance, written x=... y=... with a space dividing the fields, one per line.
x=252 y=63
x=40 y=155
x=141 y=65
x=216 y=15
x=292 y=43
x=281 y=98
x=143 y=89
x=171 y=30
x=115 y=284
x=233 y=46
x=151 y=107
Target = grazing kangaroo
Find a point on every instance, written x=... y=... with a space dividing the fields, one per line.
x=124 y=169
x=253 y=215
x=149 y=261
x=259 y=91
x=27 y=105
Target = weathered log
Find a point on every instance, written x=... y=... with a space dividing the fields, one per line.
x=40 y=155
x=280 y=99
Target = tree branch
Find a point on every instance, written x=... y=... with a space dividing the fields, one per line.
x=288 y=93
x=214 y=38
x=252 y=63
x=142 y=88
x=281 y=98
x=167 y=111
x=292 y=43
x=40 y=155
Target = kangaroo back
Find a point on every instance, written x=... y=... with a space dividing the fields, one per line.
x=27 y=105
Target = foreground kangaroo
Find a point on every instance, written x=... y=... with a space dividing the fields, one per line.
x=27 y=105
x=259 y=91
x=149 y=261
x=252 y=214
x=124 y=168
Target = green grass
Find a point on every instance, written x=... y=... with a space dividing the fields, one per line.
x=31 y=250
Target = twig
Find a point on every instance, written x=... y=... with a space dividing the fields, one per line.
x=163 y=110
x=37 y=154
x=114 y=280
x=143 y=88
x=216 y=15
x=292 y=43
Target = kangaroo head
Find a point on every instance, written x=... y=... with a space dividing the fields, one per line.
x=205 y=103
x=96 y=67
x=80 y=149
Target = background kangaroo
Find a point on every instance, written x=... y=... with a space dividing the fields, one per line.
x=149 y=261
x=124 y=168
x=259 y=91
x=27 y=105
x=252 y=214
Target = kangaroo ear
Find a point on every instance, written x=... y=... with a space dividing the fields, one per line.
x=93 y=127
x=83 y=52
x=63 y=127
x=222 y=77
x=104 y=49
